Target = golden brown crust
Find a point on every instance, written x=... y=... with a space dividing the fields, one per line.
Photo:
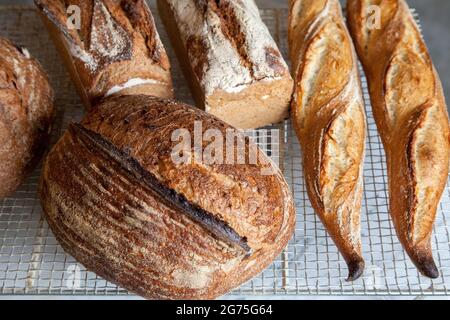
x=117 y=49
x=117 y=202
x=26 y=114
x=328 y=115
x=411 y=115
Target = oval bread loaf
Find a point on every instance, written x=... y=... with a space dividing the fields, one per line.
x=119 y=203
x=411 y=115
x=26 y=113
x=329 y=119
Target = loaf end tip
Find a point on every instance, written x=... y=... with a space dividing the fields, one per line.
x=428 y=268
x=355 y=269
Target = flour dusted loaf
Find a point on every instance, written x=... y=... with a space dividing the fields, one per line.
x=411 y=115
x=328 y=115
x=26 y=115
x=232 y=64
x=118 y=202
x=116 y=49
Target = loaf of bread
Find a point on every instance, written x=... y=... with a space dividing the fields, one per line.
x=232 y=64
x=328 y=115
x=26 y=115
x=411 y=115
x=122 y=205
x=111 y=47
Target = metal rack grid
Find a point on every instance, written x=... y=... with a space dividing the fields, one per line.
x=32 y=262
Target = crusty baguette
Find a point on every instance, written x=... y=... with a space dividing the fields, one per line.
x=328 y=115
x=118 y=202
x=411 y=115
x=232 y=64
x=116 y=50
x=26 y=115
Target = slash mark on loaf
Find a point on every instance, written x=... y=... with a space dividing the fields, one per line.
x=217 y=227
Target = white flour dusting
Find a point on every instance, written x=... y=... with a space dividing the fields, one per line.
x=131 y=83
x=224 y=69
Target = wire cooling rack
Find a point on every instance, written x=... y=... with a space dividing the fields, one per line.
x=32 y=262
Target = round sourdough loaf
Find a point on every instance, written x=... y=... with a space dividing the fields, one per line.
x=26 y=113
x=117 y=201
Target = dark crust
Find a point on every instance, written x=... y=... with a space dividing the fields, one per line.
x=20 y=121
x=355 y=269
x=217 y=227
x=424 y=262
x=141 y=19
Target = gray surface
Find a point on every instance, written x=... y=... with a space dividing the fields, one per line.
x=435 y=21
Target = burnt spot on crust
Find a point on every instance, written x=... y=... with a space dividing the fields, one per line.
x=355 y=269
x=424 y=261
x=218 y=228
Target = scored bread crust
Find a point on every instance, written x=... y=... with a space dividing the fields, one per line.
x=115 y=50
x=116 y=200
x=233 y=66
x=26 y=115
x=411 y=115
x=328 y=115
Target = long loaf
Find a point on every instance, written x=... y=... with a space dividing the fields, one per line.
x=328 y=115
x=411 y=115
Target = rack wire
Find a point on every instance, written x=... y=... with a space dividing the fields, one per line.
x=33 y=263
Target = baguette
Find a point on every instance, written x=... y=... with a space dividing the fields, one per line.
x=26 y=115
x=232 y=64
x=328 y=116
x=123 y=207
x=116 y=50
x=411 y=115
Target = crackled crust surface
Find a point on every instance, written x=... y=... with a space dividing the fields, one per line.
x=411 y=116
x=227 y=43
x=117 y=202
x=235 y=67
x=327 y=111
x=116 y=50
x=26 y=114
